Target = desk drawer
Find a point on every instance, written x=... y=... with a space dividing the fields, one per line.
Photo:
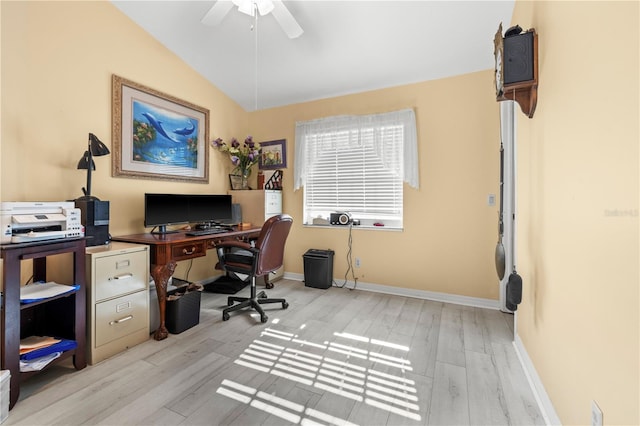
x=120 y=274
x=189 y=250
x=120 y=317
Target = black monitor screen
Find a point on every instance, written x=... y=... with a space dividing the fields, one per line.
x=170 y=209
x=210 y=208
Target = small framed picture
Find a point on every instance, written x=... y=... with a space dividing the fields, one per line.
x=273 y=155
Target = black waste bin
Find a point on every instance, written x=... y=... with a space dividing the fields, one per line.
x=184 y=312
x=318 y=268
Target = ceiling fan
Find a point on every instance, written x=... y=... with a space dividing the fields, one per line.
x=289 y=25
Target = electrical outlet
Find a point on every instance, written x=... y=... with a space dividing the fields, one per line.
x=357 y=262
x=596 y=414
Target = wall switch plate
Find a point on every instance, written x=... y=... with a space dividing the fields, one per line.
x=491 y=200
x=596 y=414
x=357 y=262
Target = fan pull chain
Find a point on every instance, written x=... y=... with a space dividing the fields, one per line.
x=255 y=28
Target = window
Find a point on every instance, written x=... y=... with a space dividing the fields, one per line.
x=357 y=164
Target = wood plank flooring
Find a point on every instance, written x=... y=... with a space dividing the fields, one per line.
x=334 y=357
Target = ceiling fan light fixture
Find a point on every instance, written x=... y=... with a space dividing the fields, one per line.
x=285 y=19
x=264 y=6
x=244 y=6
x=247 y=6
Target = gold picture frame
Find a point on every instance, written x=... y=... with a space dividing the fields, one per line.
x=156 y=135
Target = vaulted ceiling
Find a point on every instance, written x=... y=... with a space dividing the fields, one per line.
x=347 y=46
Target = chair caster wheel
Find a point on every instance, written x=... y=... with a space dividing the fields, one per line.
x=285 y=305
x=264 y=318
x=225 y=317
x=229 y=302
x=269 y=285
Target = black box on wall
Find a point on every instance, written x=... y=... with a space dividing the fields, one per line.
x=95 y=218
x=518 y=58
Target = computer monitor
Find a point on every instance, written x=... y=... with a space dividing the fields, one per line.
x=210 y=209
x=161 y=210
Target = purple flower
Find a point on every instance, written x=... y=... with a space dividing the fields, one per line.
x=245 y=155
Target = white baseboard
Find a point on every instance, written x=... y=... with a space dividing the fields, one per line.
x=540 y=394
x=542 y=398
x=419 y=294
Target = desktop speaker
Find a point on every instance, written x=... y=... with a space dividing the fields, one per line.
x=518 y=58
x=94 y=215
x=514 y=291
x=236 y=213
x=340 y=218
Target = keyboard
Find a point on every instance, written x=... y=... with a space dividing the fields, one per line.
x=210 y=231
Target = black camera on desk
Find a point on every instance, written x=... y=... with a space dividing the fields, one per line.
x=95 y=218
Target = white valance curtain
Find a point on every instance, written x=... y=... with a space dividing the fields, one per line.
x=393 y=135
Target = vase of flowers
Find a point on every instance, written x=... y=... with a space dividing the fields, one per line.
x=243 y=157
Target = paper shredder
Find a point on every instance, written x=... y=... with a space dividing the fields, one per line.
x=318 y=268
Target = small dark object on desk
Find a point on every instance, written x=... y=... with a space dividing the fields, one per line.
x=207 y=231
x=378 y=224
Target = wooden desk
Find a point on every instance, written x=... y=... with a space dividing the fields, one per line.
x=167 y=249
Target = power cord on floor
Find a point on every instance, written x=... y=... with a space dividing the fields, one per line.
x=349 y=263
x=186 y=278
x=188 y=270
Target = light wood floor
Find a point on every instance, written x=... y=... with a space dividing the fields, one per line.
x=335 y=356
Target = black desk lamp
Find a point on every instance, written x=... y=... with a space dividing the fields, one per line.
x=95 y=148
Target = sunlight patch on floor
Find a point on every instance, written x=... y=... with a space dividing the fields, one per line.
x=394 y=393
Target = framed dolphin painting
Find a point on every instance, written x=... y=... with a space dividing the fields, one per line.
x=157 y=136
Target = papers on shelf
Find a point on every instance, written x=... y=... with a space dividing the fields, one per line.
x=39 y=291
x=38 y=363
x=36 y=352
x=32 y=343
x=61 y=346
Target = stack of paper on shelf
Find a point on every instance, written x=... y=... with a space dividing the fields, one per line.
x=39 y=291
x=38 y=351
x=32 y=343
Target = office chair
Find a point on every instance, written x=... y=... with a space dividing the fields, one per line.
x=265 y=256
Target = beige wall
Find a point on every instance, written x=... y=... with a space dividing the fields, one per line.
x=57 y=63
x=578 y=163
x=577 y=166
x=449 y=231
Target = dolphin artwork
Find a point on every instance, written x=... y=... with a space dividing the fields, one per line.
x=184 y=131
x=158 y=126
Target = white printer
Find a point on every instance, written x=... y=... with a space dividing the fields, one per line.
x=27 y=221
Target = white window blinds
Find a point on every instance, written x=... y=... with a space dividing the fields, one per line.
x=356 y=164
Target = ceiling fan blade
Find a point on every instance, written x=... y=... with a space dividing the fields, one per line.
x=286 y=20
x=216 y=14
